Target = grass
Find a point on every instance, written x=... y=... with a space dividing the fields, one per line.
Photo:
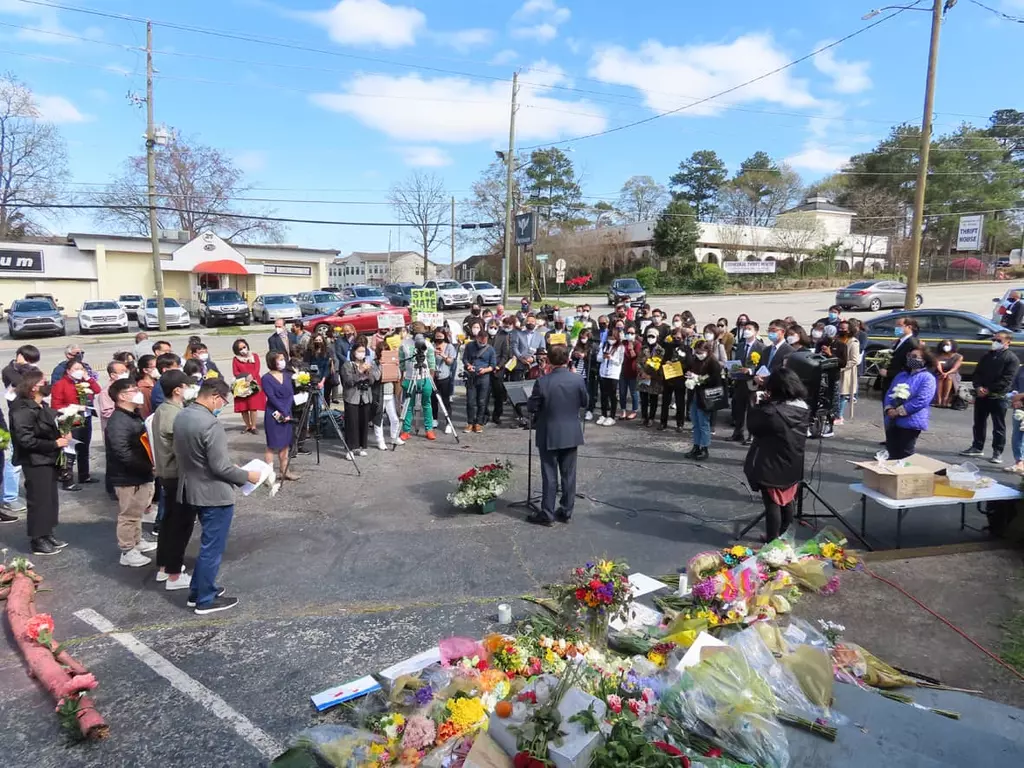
x=1013 y=641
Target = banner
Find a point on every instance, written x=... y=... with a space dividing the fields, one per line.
x=749 y=267
x=390 y=320
x=968 y=235
x=431 y=319
x=422 y=300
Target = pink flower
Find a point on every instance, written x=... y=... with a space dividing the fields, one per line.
x=648 y=695
x=79 y=683
x=615 y=703
x=634 y=706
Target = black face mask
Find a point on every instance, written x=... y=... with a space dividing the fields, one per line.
x=474 y=312
x=45 y=390
x=604 y=326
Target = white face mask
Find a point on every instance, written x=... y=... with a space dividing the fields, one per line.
x=748 y=333
x=947 y=347
x=630 y=336
x=996 y=346
x=700 y=355
x=492 y=331
x=709 y=337
x=78 y=375
x=190 y=393
x=584 y=314
x=153 y=373
x=792 y=338
x=677 y=323
x=360 y=356
x=138 y=398
x=202 y=357
x=280 y=365
x=120 y=376
x=815 y=334
x=652 y=340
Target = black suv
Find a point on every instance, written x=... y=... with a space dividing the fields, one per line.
x=223 y=306
x=626 y=290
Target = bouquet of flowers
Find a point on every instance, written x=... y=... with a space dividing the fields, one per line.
x=899 y=395
x=5 y=439
x=882 y=358
x=245 y=387
x=211 y=374
x=83 y=392
x=654 y=363
x=302 y=381
x=479 y=485
x=600 y=591
x=693 y=380
x=68 y=418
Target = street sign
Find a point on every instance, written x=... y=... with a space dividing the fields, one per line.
x=560 y=264
x=526 y=228
x=560 y=276
x=968 y=236
x=542 y=257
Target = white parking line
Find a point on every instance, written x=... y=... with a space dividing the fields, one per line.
x=195 y=690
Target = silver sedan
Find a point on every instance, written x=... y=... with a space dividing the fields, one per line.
x=275 y=306
x=874 y=295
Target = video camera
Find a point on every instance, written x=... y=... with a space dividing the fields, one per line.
x=819 y=375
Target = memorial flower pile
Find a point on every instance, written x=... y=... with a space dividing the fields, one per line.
x=479 y=485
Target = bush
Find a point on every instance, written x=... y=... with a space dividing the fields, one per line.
x=648 y=277
x=706 y=278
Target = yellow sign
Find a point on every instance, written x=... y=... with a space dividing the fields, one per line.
x=556 y=338
x=422 y=300
x=394 y=342
x=510 y=365
x=672 y=370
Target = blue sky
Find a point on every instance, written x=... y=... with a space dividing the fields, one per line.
x=408 y=84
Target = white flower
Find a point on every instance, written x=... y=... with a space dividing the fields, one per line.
x=1018 y=414
x=70 y=410
x=901 y=392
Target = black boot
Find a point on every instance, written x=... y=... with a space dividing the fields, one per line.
x=693 y=453
x=702 y=454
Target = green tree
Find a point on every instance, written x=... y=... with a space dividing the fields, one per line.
x=761 y=190
x=676 y=234
x=553 y=188
x=486 y=202
x=699 y=182
x=641 y=198
x=1007 y=127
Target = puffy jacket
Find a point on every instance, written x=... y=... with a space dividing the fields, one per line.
x=128 y=463
x=914 y=411
x=33 y=433
x=776 y=457
x=65 y=393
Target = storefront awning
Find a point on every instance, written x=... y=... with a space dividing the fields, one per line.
x=221 y=267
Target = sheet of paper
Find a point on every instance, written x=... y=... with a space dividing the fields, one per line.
x=70 y=447
x=345 y=692
x=556 y=338
x=11 y=394
x=301 y=398
x=431 y=319
x=693 y=655
x=763 y=372
x=390 y=320
x=511 y=364
x=256 y=465
x=672 y=370
x=643 y=584
x=412 y=665
x=640 y=616
x=393 y=342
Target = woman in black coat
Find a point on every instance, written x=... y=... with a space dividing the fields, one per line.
x=37 y=445
x=775 y=461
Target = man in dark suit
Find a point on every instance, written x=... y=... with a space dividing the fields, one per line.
x=746 y=345
x=907 y=328
x=774 y=355
x=555 y=402
x=1014 y=316
x=279 y=341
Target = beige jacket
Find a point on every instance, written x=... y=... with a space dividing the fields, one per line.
x=848 y=376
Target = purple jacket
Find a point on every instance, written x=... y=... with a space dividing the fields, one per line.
x=922 y=392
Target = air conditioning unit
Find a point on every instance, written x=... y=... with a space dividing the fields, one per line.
x=174 y=235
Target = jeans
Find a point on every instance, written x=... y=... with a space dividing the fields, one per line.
x=628 y=394
x=608 y=402
x=996 y=407
x=84 y=435
x=701 y=425
x=844 y=404
x=648 y=405
x=1017 y=442
x=216 y=522
x=901 y=442
x=12 y=481
x=478 y=390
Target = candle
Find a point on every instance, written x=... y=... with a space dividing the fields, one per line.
x=504 y=613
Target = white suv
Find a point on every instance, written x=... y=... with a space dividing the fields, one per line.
x=450 y=295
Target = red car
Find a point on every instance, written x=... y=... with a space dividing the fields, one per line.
x=361 y=313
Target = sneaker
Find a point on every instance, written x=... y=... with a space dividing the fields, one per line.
x=468 y=429
x=191 y=603
x=610 y=421
x=162 y=575
x=5 y=518
x=430 y=435
x=43 y=547
x=972 y=451
x=478 y=428
x=134 y=559
x=348 y=456
x=996 y=459
x=402 y=438
x=828 y=432
x=448 y=429
x=838 y=422
x=150 y=517
x=362 y=452
x=435 y=424
x=218 y=604
x=146 y=546
x=184 y=581
x=589 y=416
x=55 y=541
x=13 y=507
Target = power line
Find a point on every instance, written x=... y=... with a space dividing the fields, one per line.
x=997 y=12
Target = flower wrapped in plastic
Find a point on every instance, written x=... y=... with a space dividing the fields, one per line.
x=244 y=387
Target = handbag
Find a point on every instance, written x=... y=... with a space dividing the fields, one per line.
x=712 y=399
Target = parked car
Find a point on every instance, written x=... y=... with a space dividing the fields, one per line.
x=274 y=306
x=131 y=303
x=450 y=295
x=972 y=333
x=175 y=315
x=998 y=301
x=483 y=292
x=399 y=294
x=874 y=295
x=32 y=316
x=102 y=316
x=371 y=292
x=223 y=305
x=628 y=290
x=362 y=314
x=316 y=303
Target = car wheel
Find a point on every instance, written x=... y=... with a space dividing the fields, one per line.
x=247 y=320
x=322 y=328
x=875 y=304
x=63 y=331
x=13 y=334
x=918 y=301
x=440 y=305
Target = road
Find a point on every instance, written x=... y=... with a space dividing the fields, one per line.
x=806 y=306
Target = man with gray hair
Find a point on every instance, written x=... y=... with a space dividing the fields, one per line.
x=72 y=353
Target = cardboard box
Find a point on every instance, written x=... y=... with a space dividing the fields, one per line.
x=913 y=481
x=486 y=754
x=577 y=746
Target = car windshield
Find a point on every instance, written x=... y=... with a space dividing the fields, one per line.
x=323 y=297
x=223 y=297
x=628 y=285
x=860 y=286
x=483 y=286
x=278 y=300
x=367 y=293
x=151 y=303
x=129 y=297
x=100 y=305
x=448 y=285
x=33 y=305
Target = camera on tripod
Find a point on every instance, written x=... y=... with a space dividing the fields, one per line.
x=314 y=375
x=819 y=374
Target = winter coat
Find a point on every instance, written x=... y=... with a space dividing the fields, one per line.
x=128 y=463
x=995 y=372
x=913 y=414
x=648 y=379
x=34 y=433
x=776 y=456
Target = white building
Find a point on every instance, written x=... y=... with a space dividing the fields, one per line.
x=379 y=269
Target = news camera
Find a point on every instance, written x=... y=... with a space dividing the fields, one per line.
x=819 y=374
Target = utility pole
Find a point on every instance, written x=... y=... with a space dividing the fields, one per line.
x=510 y=159
x=154 y=233
x=453 y=238
x=910 y=301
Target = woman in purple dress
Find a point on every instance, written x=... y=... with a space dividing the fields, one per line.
x=277 y=421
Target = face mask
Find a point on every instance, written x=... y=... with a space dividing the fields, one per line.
x=915 y=363
x=701 y=355
x=584 y=339
x=78 y=375
x=630 y=336
x=833 y=316
x=677 y=323
x=773 y=336
x=604 y=326
x=815 y=334
x=360 y=356
x=189 y=393
x=281 y=364
x=492 y=331
x=897 y=331
x=652 y=340
x=530 y=326
x=996 y=346
x=216 y=411
x=243 y=353
x=792 y=339
x=138 y=399
x=748 y=333
x=153 y=373
x=120 y=376
x=709 y=337
x=281 y=331
x=202 y=357
x=947 y=347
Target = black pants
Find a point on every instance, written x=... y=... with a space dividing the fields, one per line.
x=648 y=405
x=41 y=500
x=357 y=425
x=609 y=396
x=677 y=391
x=175 y=530
x=984 y=407
x=478 y=392
x=740 y=404
x=592 y=390
x=560 y=462
x=777 y=519
x=901 y=442
x=442 y=389
x=497 y=397
x=84 y=435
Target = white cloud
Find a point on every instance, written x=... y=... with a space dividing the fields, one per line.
x=463 y=40
x=457 y=110
x=506 y=56
x=57 y=109
x=40 y=18
x=370 y=22
x=425 y=157
x=818 y=159
x=574 y=45
x=539 y=20
x=117 y=69
x=670 y=76
x=251 y=160
x=847 y=76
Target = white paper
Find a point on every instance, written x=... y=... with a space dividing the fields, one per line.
x=301 y=398
x=11 y=394
x=638 y=617
x=763 y=372
x=266 y=473
x=412 y=665
x=692 y=657
x=644 y=584
x=343 y=693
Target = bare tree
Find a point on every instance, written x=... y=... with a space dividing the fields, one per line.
x=421 y=202
x=486 y=203
x=33 y=161
x=641 y=198
x=796 y=235
x=198 y=188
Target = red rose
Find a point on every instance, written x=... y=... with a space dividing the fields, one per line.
x=668 y=749
x=595 y=584
x=482 y=664
x=713 y=752
x=581 y=593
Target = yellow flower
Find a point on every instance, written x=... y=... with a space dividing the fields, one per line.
x=212 y=374
x=656 y=658
x=376 y=749
x=828 y=549
x=605 y=568
x=738 y=551
x=466 y=713
x=669 y=339
x=755 y=357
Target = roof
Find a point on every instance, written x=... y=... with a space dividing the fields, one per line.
x=72 y=236
x=819 y=204
x=379 y=255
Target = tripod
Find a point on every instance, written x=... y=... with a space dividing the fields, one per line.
x=518 y=392
x=417 y=389
x=314 y=406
